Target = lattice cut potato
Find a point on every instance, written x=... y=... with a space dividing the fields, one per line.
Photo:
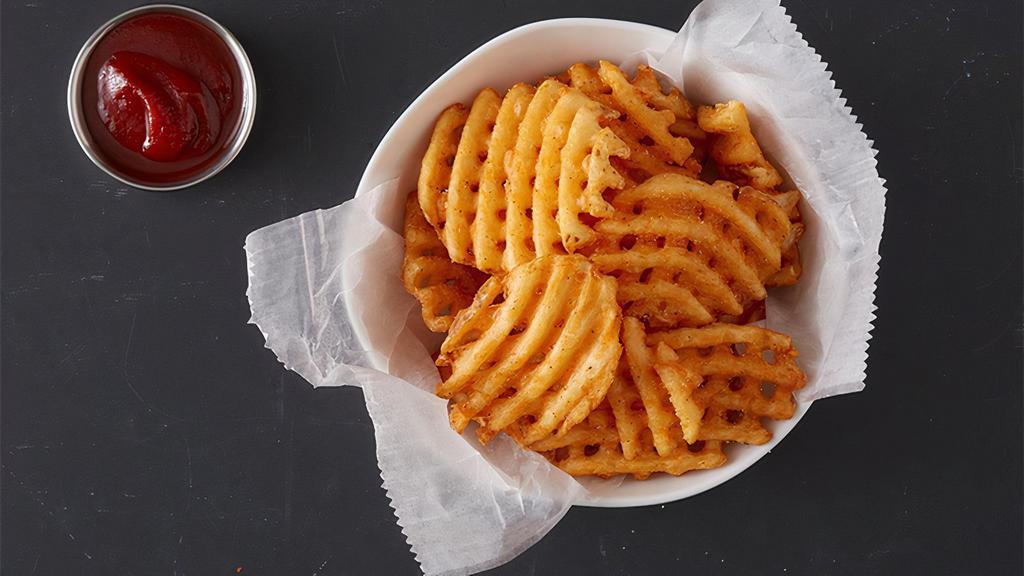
x=594 y=246
x=585 y=174
x=442 y=287
x=522 y=175
x=595 y=448
x=531 y=354
x=733 y=147
x=436 y=166
x=492 y=182
x=717 y=382
x=659 y=127
x=652 y=120
x=687 y=252
x=739 y=159
x=547 y=187
x=490 y=215
x=749 y=373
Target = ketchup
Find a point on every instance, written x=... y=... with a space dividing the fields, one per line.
x=156 y=109
x=162 y=97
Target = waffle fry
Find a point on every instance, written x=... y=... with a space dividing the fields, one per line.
x=531 y=350
x=461 y=198
x=608 y=337
x=647 y=156
x=733 y=147
x=502 y=204
x=740 y=160
x=442 y=287
x=594 y=448
x=654 y=122
x=520 y=246
x=586 y=173
x=789 y=273
x=651 y=394
x=686 y=252
x=488 y=227
x=436 y=166
x=557 y=126
x=733 y=375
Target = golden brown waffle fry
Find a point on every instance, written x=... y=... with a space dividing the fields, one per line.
x=461 y=200
x=739 y=159
x=686 y=252
x=733 y=147
x=654 y=122
x=593 y=448
x=746 y=373
x=647 y=83
x=522 y=177
x=789 y=273
x=546 y=237
x=586 y=173
x=533 y=349
x=442 y=287
x=471 y=204
x=643 y=401
x=647 y=157
x=488 y=227
x=436 y=167
x=728 y=377
x=501 y=205
x=681 y=383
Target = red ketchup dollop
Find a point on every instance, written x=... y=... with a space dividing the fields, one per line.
x=156 y=109
x=162 y=97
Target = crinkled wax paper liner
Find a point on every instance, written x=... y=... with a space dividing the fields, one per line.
x=464 y=508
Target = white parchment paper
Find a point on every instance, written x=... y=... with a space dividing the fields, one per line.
x=325 y=291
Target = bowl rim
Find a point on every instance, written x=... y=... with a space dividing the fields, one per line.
x=697 y=481
x=76 y=114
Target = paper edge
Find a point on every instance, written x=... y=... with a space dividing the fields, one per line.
x=861 y=303
x=250 y=275
x=397 y=510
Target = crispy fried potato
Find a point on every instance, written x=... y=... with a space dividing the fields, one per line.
x=594 y=448
x=506 y=187
x=488 y=227
x=533 y=350
x=654 y=397
x=557 y=126
x=442 y=287
x=520 y=246
x=739 y=159
x=654 y=122
x=791 y=268
x=647 y=156
x=647 y=83
x=681 y=383
x=461 y=201
x=436 y=167
x=687 y=252
x=733 y=147
x=586 y=173
x=734 y=376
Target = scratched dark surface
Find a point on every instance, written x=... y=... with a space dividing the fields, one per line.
x=145 y=429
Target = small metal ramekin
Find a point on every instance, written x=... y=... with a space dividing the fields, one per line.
x=245 y=121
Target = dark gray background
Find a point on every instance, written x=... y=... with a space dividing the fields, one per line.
x=147 y=431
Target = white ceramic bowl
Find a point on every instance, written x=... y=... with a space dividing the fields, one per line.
x=529 y=53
